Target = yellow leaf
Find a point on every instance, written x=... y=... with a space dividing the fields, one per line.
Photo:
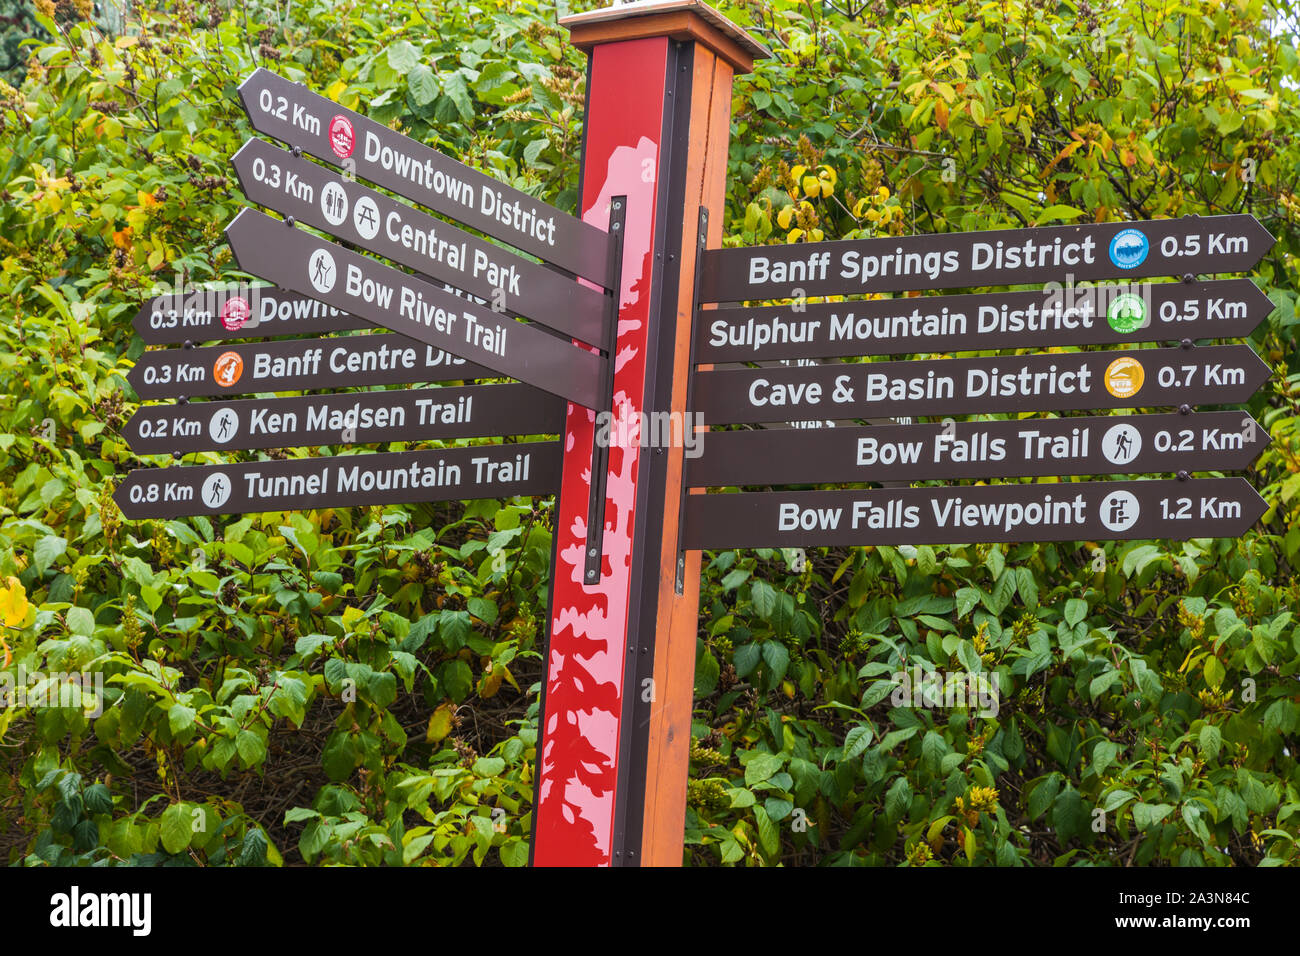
x=784 y=217
x=794 y=235
x=796 y=174
x=941 y=114
x=811 y=187
x=13 y=603
x=439 y=724
x=334 y=90
x=491 y=683
x=815 y=235
x=827 y=188
x=828 y=173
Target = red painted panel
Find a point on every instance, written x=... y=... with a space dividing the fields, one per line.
x=578 y=743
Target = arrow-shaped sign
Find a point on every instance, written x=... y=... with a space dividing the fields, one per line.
x=294 y=115
x=240 y=311
x=1031 y=447
x=295 y=365
x=447 y=474
x=350 y=418
x=1082 y=315
x=388 y=297
x=1134 y=378
x=317 y=197
x=1070 y=511
x=1192 y=245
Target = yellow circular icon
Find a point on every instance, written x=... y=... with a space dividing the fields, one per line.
x=1124 y=377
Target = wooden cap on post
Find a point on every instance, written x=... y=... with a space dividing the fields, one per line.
x=677 y=19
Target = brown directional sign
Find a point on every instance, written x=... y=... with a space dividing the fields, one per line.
x=297 y=364
x=295 y=259
x=241 y=311
x=1080 y=315
x=318 y=197
x=1031 y=447
x=294 y=115
x=353 y=418
x=449 y=474
x=1111 y=250
x=1068 y=511
x=1136 y=378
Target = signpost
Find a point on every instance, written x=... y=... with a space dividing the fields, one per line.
x=1069 y=511
x=616 y=713
x=352 y=418
x=369 y=150
x=1085 y=315
x=289 y=365
x=1192 y=245
x=941 y=451
x=239 y=312
x=388 y=297
x=408 y=477
x=1205 y=375
x=315 y=196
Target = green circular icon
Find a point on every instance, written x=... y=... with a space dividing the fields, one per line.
x=1127 y=313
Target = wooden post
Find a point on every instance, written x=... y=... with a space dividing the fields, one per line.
x=614 y=742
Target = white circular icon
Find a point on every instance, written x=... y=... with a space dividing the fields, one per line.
x=1119 y=510
x=224 y=425
x=334 y=203
x=321 y=270
x=216 y=490
x=1121 y=444
x=365 y=216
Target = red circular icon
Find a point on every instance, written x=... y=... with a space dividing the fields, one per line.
x=227 y=369
x=342 y=139
x=236 y=313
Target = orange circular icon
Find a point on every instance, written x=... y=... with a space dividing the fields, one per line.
x=1124 y=377
x=227 y=369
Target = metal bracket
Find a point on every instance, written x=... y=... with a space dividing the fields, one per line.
x=701 y=240
x=599 y=449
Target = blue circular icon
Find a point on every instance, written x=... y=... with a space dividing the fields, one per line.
x=1129 y=248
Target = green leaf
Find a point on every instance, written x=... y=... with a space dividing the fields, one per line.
x=48 y=550
x=514 y=852
x=857 y=740
x=1147 y=815
x=176 y=828
x=1058 y=214
x=403 y=57
x=1103 y=755
x=763 y=598
x=422 y=84
x=760 y=767
x=81 y=621
x=1210 y=741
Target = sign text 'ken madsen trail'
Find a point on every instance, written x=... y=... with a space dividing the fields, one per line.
x=1205 y=375
x=1066 y=511
x=351 y=418
x=1088 y=314
x=447 y=474
x=294 y=115
x=295 y=259
x=317 y=197
x=1031 y=447
x=1192 y=245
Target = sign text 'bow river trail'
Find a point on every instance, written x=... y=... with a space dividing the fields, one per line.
x=292 y=258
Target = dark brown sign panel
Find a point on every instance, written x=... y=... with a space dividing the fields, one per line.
x=407 y=477
x=1136 y=378
x=294 y=115
x=241 y=311
x=353 y=418
x=1031 y=447
x=1069 y=511
x=317 y=197
x=1195 y=245
x=295 y=259
x=294 y=365
x=1073 y=315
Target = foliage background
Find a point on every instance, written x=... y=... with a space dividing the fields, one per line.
x=1157 y=687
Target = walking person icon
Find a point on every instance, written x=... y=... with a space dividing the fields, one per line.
x=216 y=490
x=223 y=426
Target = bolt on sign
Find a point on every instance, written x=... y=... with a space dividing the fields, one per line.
x=640 y=274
